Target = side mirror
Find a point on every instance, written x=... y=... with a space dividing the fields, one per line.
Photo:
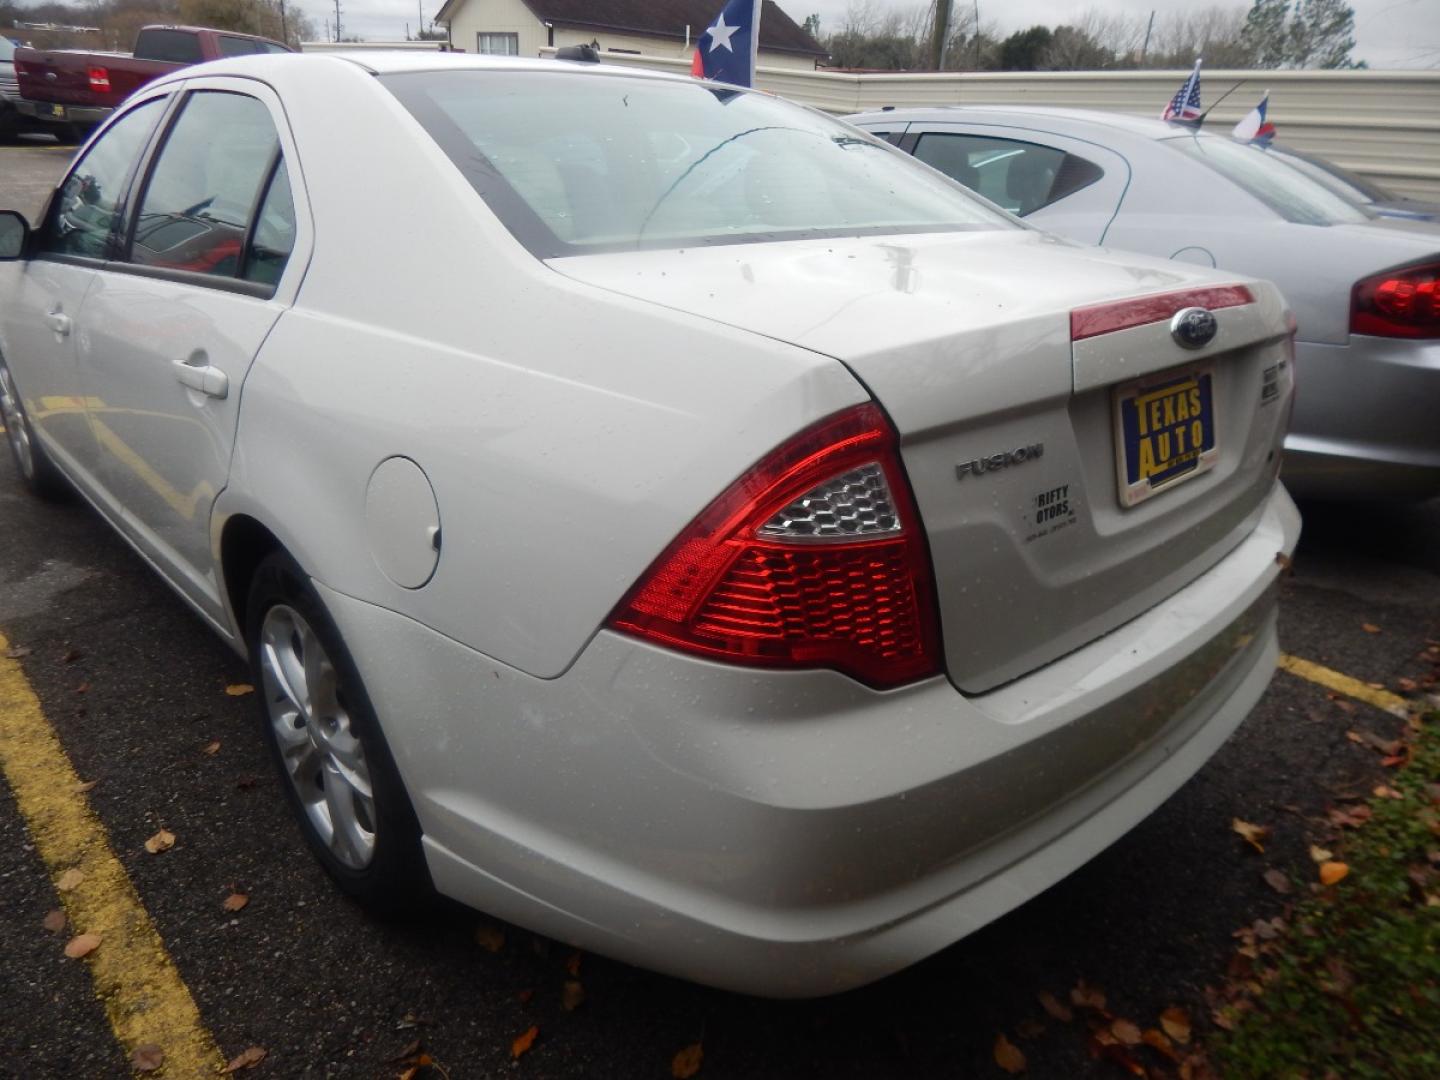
x=14 y=235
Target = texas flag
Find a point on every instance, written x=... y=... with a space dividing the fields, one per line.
x=1254 y=128
x=726 y=51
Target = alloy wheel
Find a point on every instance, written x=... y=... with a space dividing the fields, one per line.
x=323 y=757
x=16 y=430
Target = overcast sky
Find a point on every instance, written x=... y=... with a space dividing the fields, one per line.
x=1388 y=33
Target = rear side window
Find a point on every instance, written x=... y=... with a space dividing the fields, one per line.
x=176 y=46
x=1020 y=176
x=273 y=237
x=87 y=208
x=205 y=186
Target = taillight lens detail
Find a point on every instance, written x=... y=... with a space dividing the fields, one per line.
x=1401 y=303
x=813 y=558
x=100 y=79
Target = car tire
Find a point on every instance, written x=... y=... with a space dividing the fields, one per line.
x=39 y=475
x=339 y=776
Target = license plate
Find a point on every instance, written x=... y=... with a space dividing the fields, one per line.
x=1164 y=431
x=57 y=111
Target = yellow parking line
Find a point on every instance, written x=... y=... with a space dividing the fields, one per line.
x=135 y=979
x=1344 y=684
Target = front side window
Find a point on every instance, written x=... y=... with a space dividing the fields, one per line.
x=497 y=44
x=574 y=164
x=87 y=208
x=205 y=184
x=1020 y=176
x=1285 y=190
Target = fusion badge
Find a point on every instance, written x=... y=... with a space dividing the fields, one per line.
x=1018 y=456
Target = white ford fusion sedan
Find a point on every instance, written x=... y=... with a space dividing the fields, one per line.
x=657 y=514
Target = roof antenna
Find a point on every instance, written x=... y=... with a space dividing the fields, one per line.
x=1200 y=120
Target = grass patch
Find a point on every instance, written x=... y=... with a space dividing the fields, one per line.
x=1351 y=988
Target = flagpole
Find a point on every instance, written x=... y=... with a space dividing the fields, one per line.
x=755 y=45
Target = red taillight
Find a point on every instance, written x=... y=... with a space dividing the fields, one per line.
x=100 y=79
x=1398 y=303
x=813 y=558
x=1115 y=315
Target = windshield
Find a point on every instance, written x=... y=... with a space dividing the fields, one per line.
x=1286 y=190
x=576 y=163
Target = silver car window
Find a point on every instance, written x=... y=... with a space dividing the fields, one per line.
x=1286 y=190
x=579 y=163
x=1020 y=176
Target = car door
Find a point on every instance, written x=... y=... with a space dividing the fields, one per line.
x=1064 y=185
x=72 y=243
x=170 y=327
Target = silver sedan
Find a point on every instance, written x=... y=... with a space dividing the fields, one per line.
x=1363 y=287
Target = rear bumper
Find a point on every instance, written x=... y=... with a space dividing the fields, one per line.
x=74 y=114
x=1365 y=422
x=797 y=834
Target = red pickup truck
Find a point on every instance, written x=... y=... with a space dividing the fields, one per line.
x=76 y=90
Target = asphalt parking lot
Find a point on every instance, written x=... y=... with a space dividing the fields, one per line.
x=135 y=689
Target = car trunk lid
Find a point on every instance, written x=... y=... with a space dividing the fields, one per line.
x=1007 y=423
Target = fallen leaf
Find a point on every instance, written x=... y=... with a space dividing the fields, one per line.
x=84 y=786
x=572 y=965
x=404 y=1056
x=1408 y=686
x=1223 y=1019
x=147 y=1057
x=1370 y=628
x=1349 y=816
x=1054 y=1006
x=1029 y=1028
x=235 y=901
x=1119 y=1055
x=1320 y=854
x=1254 y=835
x=69 y=880
x=686 y=1063
x=1176 y=1022
x=82 y=945
x=18 y=652
x=572 y=995
x=1157 y=1040
x=239 y=689
x=83 y=688
x=1332 y=872
x=489 y=937
x=1394 y=761
x=246 y=1059
x=523 y=1043
x=1385 y=791
x=1126 y=1031
x=211 y=748
x=54 y=921
x=1087 y=996
x=1283 y=561
x=163 y=840
x=1277 y=880
x=71 y=656
x=1008 y=1055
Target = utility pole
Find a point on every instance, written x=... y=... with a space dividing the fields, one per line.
x=939 y=32
x=977 y=35
x=420 y=26
x=337 y=20
x=284 y=28
x=1146 y=47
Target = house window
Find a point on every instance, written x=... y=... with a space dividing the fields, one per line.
x=497 y=44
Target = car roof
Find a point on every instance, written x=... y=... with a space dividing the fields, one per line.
x=1142 y=126
x=381 y=61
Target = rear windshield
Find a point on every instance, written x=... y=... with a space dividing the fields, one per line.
x=7 y=49
x=577 y=163
x=1343 y=183
x=176 y=46
x=1285 y=189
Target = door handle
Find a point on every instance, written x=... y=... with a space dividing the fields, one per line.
x=59 y=321
x=210 y=381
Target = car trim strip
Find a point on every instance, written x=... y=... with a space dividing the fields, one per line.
x=1087 y=322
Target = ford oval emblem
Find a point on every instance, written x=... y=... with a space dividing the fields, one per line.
x=1193 y=328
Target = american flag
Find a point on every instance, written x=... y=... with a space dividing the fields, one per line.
x=1185 y=105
